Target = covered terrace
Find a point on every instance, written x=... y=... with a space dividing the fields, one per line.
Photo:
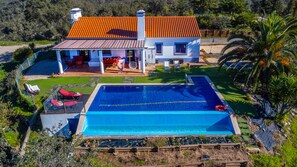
x=111 y=56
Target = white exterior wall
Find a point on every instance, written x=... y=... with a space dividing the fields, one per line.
x=168 y=49
x=94 y=55
x=73 y=53
x=116 y=53
x=56 y=122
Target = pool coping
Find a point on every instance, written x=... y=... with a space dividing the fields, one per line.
x=188 y=77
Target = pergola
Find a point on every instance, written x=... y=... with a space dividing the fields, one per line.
x=99 y=45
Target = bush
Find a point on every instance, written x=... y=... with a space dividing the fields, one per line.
x=22 y=54
x=283 y=92
x=265 y=160
x=32 y=45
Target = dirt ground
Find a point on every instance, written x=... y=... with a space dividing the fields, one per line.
x=214 y=52
x=9 y=49
x=186 y=157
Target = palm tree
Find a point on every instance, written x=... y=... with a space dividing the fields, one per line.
x=271 y=49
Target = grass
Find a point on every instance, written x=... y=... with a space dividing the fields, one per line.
x=10 y=43
x=222 y=79
x=46 y=86
x=112 y=80
x=12 y=138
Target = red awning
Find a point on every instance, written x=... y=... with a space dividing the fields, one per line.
x=99 y=44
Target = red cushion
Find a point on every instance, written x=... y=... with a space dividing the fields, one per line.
x=111 y=60
x=78 y=58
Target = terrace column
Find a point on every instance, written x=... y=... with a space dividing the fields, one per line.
x=59 y=60
x=142 y=61
x=101 y=61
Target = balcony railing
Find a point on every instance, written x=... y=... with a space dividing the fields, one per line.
x=63 y=105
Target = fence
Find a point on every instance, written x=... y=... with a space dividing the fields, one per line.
x=62 y=106
x=27 y=64
x=219 y=33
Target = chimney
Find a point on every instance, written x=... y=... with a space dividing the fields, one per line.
x=140 y=25
x=75 y=14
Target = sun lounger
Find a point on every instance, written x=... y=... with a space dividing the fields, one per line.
x=58 y=103
x=67 y=94
x=166 y=66
x=176 y=65
x=32 y=89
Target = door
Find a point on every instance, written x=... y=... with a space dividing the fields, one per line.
x=130 y=55
x=149 y=57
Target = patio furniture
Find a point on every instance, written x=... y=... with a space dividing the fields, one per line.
x=111 y=61
x=66 y=94
x=176 y=65
x=70 y=63
x=132 y=65
x=166 y=66
x=121 y=65
x=78 y=60
x=58 y=103
x=32 y=89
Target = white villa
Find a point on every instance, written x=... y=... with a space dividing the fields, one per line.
x=140 y=41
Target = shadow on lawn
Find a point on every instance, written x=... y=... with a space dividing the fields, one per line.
x=222 y=79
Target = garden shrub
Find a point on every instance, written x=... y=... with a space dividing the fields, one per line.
x=22 y=54
x=32 y=45
x=157 y=142
x=265 y=160
x=289 y=147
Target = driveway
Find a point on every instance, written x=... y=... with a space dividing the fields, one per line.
x=43 y=70
x=6 y=51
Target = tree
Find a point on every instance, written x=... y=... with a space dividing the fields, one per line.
x=268 y=50
x=22 y=54
x=267 y=6
x=203 y=6
x=232 y=7
x=283 y=93
x=291 y=8
x=44 y=150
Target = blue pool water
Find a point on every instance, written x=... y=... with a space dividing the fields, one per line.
x=125 y=110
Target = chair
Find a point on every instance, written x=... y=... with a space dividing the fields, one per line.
x=32 y=89
x=176 y=65
x=58 y=103
x=67 y=94
x=166 y=66
x=78 y=60
x=132 y=65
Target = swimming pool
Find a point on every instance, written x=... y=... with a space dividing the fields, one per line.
x=153 y=110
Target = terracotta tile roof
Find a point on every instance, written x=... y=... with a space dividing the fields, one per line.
x=126 y=27
x=99 y=44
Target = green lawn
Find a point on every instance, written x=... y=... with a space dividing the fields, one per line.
x=222 y=79
x=10 y=43
x=48 y=85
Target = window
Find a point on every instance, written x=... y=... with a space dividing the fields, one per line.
x=180 y=48
x=106 y=52
x=159 y=48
